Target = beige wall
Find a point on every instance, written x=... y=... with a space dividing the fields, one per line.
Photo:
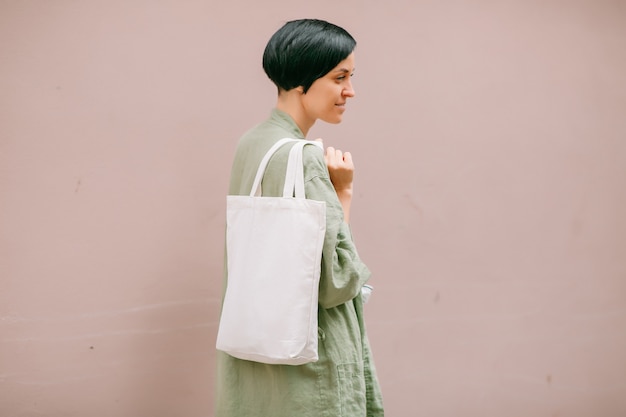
x=490 y=142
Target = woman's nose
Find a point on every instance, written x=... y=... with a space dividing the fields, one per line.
x=349 y=90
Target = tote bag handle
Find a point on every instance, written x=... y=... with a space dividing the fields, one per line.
x=294 y=178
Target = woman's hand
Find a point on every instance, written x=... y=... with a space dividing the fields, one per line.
x=341 y=171
x=340 y=168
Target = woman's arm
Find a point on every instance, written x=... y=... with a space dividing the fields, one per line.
x=343 y=273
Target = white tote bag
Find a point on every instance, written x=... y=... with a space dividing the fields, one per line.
x=274 y=249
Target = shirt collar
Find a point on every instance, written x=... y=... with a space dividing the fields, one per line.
x=284 y=120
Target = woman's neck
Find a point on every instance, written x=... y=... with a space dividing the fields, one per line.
x=291 y=103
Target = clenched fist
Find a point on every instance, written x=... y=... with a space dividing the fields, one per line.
x=340 y=168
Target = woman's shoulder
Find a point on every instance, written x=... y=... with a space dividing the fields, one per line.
x=313 y=161
x=263 y=133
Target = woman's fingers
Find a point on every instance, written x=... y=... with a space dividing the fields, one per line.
x=336 y=157
x=330 y=155
x=340 y=168
x=347 y=158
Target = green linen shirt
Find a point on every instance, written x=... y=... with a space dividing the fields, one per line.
x=343 y=382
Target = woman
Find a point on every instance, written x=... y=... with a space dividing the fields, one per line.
x=311 y=62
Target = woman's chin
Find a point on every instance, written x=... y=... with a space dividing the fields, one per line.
x=333 y=120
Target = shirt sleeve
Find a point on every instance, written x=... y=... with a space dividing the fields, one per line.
x=343 y=273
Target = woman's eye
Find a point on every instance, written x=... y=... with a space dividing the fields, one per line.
x=343 y=77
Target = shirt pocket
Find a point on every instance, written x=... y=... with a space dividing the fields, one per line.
x=351 y=383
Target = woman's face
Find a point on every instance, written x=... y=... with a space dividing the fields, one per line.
x=326 y=98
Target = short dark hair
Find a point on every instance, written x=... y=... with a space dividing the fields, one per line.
x=304 y=50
